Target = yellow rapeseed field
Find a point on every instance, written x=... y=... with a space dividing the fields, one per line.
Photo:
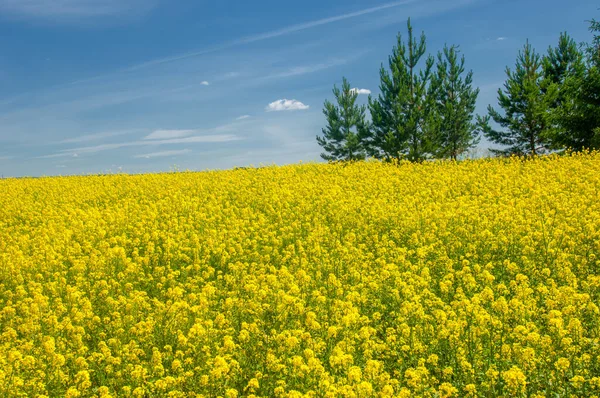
x=471 y=279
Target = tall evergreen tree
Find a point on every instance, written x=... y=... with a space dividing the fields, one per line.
x=402 y=114
x=594 y=47
x=455 y=105
x=572 y=113
x=563 y=61
x=525 y=102
x=343 y=137
x=591 y=85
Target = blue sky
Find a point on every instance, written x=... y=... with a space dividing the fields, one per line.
x=90 y=86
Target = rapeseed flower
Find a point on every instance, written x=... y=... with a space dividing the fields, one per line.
x=476 y=278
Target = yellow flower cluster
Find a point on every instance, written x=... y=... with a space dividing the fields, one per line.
x=471 y=279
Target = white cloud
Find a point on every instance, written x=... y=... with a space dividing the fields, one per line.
x=54 y=155
x=286 y=105
x=75 y=8
x=163 y=154
x=75 y=152
x=361 y=91
x=98 y=136
x=201 y=138
x=501 y=39
x=275 y=33
x=168 y=134
x=243 y=117
x=205 y=83
x=324 y=21
x=303 y=70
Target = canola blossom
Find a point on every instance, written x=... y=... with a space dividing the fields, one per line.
x=471 y=279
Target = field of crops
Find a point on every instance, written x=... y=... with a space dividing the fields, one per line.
x=479 y=278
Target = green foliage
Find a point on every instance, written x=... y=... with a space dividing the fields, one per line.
x=575 y=113
x=563 y=61
x=547 y=103
x=591 y=92
x=525 y=100
x=343 y=137
x=402 y=115
x=455 y=104
x=594 y=48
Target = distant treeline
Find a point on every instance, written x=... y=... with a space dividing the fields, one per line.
x=425 y=109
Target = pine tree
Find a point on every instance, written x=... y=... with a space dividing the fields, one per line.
x=455 y=104
x=563 y=61
x=594 y=47
x=343 y=137
x=591 y=87
x=525 y=101
x=571 y=114
x=402 y=114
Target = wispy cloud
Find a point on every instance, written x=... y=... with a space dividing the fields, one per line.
x=243 y=117
x=68 y=154
x=323 y=21
x=168 y=134
x=205 y=83
x=163 y=154
x=200 y=139
x=306 y=69
x=98 y=136
x=75 y=152
x=74 y=8
x=361 y=91
x=286 y=105
x=500 y=38
x=416 y=9
x=274 y=33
